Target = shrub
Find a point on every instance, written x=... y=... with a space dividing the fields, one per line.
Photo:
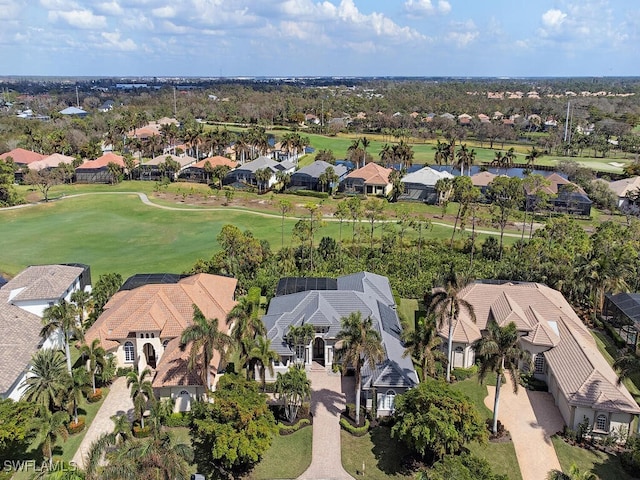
x=304 y=410
x=140 y=432
x=180 y=419
x=74 y=427
x=289 y=429
x=95 y=397
x=122 y=371
x=355 y=431
x=311 y=193
x=464 y=373
x=351 y=411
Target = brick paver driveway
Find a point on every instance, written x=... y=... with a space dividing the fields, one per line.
x=328 y=399
x=531 y=418
x=118 y=401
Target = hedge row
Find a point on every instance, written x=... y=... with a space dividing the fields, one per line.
x=464 y=373
x=310 y=193
x=289 y=429
x=355 y=431
x=180 y=419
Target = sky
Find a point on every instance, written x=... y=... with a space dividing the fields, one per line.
x=285 y=38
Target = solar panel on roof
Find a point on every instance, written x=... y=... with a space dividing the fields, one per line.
x=142 y=279
x=289 y=285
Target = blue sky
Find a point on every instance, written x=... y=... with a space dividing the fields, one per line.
x=320 y=37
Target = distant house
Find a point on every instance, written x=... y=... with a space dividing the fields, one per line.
x=322 y=304
x=565 y=196
x=23 y=301
x=51 y=161
x=308 y=177
x=142 y=328
x=97 y=171
x=196 y=172
x=622 y=189
x=372 y=179
x=73 y=111
x=22 y=157
x=421 y=185
x=565 y=355
x=246 y=174
x=151 y=170
x=107 y=106
x=482 y=180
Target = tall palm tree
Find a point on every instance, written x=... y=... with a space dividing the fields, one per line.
x=263 y=355
x=500 y=351
x=52 y=426
x=62 y=317
x=246 y=324
x=293 y=387
x=203 y=338
x=77 y=388
x=46 y=383
x=141 y=391
x=386 y=155
x=445 y=304
x=532 y=155
x=365 y=142
x=82 y=301
x=96 y=357
x=353 y=149
x=361 y=345
x=423 y=343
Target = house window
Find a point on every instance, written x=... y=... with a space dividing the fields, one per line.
x=388 y=400
x=129 y=354
x=601 y=423
x=539 y=363
x=153 y=335
x=142 y=335
x=165 y=343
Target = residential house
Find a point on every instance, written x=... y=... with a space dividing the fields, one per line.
x=372 y=179
x=246 y=174
x=97 y=171
x=23 y=301
x=421 y=185
x=482 y=180
x=22 y=157
x=51 y=161
x=565 y=196
x=197 y=173
x=365 y=293
x=152 y=169
x=624 y=189
x=309 y=177
x=74 y=111
x=142 y=328
x=564 y=352
x=107 y=106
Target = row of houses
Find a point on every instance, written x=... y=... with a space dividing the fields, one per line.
x=141 y=326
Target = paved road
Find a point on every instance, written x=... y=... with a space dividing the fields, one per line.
x=328 y=399
x=118 y=401
x=531 y=418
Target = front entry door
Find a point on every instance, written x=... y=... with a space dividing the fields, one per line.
x=318 y=350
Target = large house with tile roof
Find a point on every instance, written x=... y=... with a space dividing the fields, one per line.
x=624 y=189
x=23 y=301
x=372 y=179
x=142 y=328
x=563 y=350
x=22 y=157
x=97 y=171
x=363 y=292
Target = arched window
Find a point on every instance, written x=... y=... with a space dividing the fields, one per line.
x=142 y=335
x=388 y=400
x=601 y=423
x=153 y=335
x=165 y=343
x=184 y=392
x=146 y=335
x=129 y=353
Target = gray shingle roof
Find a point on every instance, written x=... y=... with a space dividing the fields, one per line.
x=40 y=282
x=363 y=292
x=318 y=167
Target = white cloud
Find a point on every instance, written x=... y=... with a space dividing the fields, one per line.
x=9 y=9
x=164 y=12
x=462 y=39
x=426 y=7
x=112 y=8
x=84 y=19
x=115 y=41
x=553 y=18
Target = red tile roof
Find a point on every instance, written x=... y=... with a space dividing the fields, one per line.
x=22 y=156
x=102 y=161
x=372 y=174
x=215 y=161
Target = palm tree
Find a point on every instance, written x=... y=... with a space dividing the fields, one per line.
x=96 y=358
x=52 y=426
x=46 y=383
x=446 y=305
x=574 y=474
x=293 y=387
x=365 y=142
x=627 y=366
x=423 y=343
x=386 y=155
x=204 y=338
x=264 y=356
x=353 y=149
x=498 y=351
x=77 y=388
x=361 y=344
x=121 y=427
x=82 y=301
x=62 y=317
x=141 y=391
x=532 y=155
x=246 y=324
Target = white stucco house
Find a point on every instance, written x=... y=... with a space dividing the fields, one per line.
x=564 y=352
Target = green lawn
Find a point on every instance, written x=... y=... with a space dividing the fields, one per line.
x=606 y=467
x=288 y=457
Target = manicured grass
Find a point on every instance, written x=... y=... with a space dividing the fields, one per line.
x=606 y=467
x=406 y=311
x=501 y=457
x=476 y=392
x=380 y=454
x=288 y=457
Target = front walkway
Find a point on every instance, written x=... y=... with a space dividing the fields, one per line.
x=328 y=399
x=531 y=418
x=118 y=401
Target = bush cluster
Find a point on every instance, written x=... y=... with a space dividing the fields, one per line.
x=355 y=431
x=140 y=432
x=95 y=397
x=464 y=373
x=180 y=419
x=310 y=193
x=74 y=427
x=289 y=429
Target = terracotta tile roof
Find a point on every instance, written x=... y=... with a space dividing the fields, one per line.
x=22 y=156
x=556 y=181
x=464 y=331
x=41 y=282
x=164 y=308
x=372 y=174
x=504 y=311
x=51 y=161
x=542 y=335
x=482 y=179
x=215 y=161
x=619 y=187
x=102 y=161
